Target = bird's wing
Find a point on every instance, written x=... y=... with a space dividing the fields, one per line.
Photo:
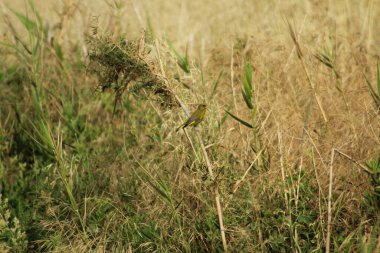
x=191 y=121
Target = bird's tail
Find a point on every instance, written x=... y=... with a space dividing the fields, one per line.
x=180 y=127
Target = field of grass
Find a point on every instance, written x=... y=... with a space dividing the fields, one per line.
x=286 y=160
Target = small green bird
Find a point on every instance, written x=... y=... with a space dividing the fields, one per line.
x=195 y=118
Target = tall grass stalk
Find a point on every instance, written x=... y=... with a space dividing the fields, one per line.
x=256 y=177
x=301 y=58
x=329 y=202
x=205 y=155
x=215 y=190
x=32 y=53
x=216 y=193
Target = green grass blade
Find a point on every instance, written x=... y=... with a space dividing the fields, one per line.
x=246 y=80
x=376 y=98
x=160 y=187
x=324 y=59
x=216 y=84
x=248 y=74
x=239 y=120
x=29 y=24
x=24 y=58
x=150 y=29
x=246 y=85
x=182 y=62
x=224 y=117
x=36 y=47
x=39 y=18
x=378 y=78
x=58 y=50
x=247 y=99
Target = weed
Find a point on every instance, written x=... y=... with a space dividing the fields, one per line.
x=106 y=172
x=124 y=66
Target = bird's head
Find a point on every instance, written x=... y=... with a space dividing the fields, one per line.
x=202 y=106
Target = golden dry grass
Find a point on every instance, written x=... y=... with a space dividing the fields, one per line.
x=222 y=36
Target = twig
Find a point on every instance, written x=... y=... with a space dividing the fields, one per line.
x=288 y=211
x=209 y=166
x=301 y=58
x=238 y=182
x=216 y=192
x=329 y=211
x=220 y=217
x=191 y=143
x=279 y=136
x=232 y=76
x=160 y=61
x=354 y=161
x=320 y=192
x=329 y=203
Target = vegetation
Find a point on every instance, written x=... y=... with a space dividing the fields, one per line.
x=287 y=158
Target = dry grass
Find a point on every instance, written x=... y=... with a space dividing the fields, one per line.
x=153 y=193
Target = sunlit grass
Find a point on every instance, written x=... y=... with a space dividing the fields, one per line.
x=90 y=160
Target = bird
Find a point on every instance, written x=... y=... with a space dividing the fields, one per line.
x=195 y=118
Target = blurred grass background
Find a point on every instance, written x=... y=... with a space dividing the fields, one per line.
x=91 y=93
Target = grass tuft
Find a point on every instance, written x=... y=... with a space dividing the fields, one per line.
x=285 y=160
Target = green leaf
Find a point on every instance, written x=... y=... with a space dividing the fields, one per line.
x=325 y=59
x=182 y=62
x=150 y=30
x=239 y=120
x=374 y=165
x=375 y=97
x=378 y=78
x=39 y=18
x=213 y=92
x=23 y=57
x=162 y=191
x=247 y=88
x=247 y=99
x=29 y=24
x=58 y=50
x=248 y=74
x=246 y=80
x=36 y=47
x=223 y=119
